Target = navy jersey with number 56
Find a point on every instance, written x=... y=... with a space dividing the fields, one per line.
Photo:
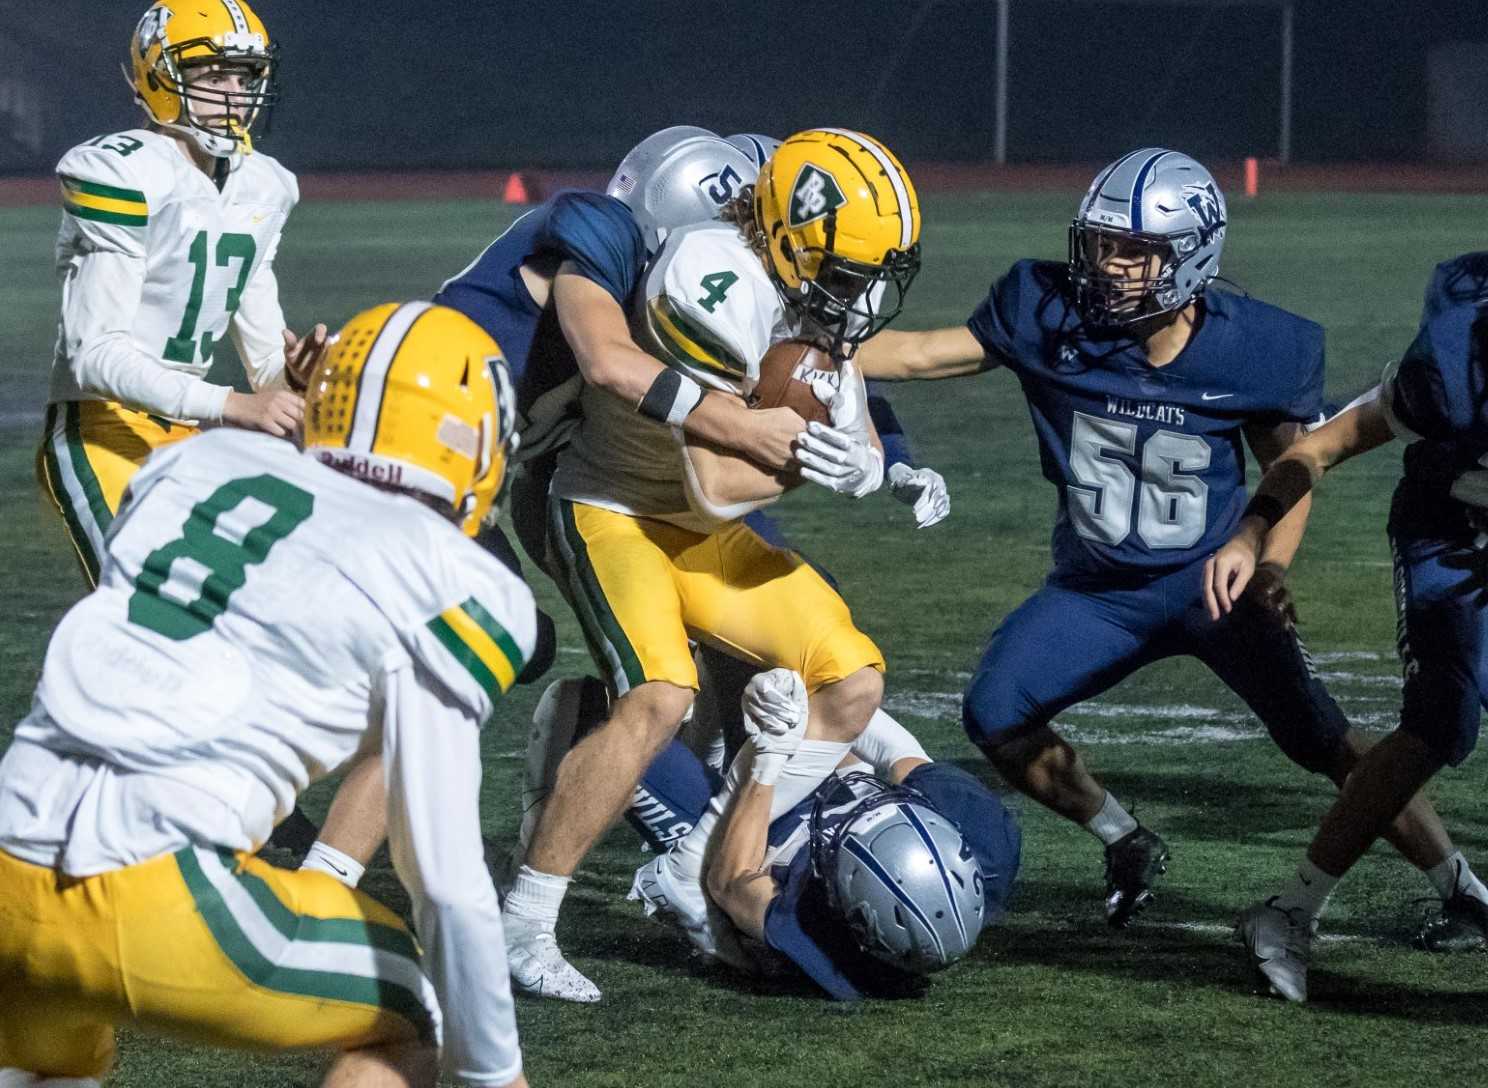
x=1149 y=461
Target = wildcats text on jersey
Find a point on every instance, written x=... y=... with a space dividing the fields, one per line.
x=1137 y=409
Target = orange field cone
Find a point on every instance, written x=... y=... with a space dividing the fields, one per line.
x=515 y=191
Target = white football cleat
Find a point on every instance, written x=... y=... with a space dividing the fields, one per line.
x=669 y=898
x=537 y=967
x=1280 y=945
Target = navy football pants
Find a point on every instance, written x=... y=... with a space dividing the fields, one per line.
x=1073 y=640
x=1441 y=598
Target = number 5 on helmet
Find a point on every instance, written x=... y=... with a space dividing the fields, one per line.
x=416 y=397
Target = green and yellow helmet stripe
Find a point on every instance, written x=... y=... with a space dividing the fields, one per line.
x=104 y=203
x=687 y=342
x=479 y=643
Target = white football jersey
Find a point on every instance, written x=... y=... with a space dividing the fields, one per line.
x=252 y=604
x=708 y=307
x=204 y=257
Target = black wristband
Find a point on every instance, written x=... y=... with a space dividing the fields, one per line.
x=1266 y=507
x=671 y=398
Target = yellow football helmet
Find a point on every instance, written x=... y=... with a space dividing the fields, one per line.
x=840 y=225
x=414 y=396
x=174 y=37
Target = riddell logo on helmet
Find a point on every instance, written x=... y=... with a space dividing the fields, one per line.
x=815 y=195
x=361 y=467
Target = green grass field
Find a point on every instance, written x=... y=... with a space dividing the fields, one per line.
x=1052 y=998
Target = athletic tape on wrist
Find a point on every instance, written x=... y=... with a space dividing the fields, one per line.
x=671 y=398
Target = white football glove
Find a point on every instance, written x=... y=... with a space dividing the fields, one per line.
x=775 y=711
x=839 y=461
x=846 y=396
x=922 y=488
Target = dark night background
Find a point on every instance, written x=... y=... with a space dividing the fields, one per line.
x=378 y=83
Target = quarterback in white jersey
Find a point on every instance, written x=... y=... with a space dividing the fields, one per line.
x=264 y=617
x=645 y=534
x=167 y=248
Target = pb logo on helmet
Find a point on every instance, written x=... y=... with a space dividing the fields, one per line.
x=814 y=195
x=151 y=29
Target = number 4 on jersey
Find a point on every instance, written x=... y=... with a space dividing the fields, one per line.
x=717 y=285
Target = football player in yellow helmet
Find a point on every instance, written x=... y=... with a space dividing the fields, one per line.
x=646 y=535
x=837 y=220
x=206 y=69
x=151 y=289
x=416 y=398
x=294 y=611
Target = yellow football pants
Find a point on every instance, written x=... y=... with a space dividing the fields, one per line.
x=208 y=946
x=642 y=588
x=90 y=450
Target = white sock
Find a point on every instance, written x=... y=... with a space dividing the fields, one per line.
x=1308 y=891
x=885 y=742
x=327 y=859
x=1112 y=823
x=1453 y=874
x=535 y=898
x=807 y=769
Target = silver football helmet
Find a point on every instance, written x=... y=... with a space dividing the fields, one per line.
x=679 y=176
x=1151 y=203
x=757 y=147
x=900 y=874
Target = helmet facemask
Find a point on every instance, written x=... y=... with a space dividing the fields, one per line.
x=179 y=69
x=1144 y=286
x=850 y=301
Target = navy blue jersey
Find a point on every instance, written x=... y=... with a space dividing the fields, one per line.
x=801 y=924
x=596 y=232
x=1149 y=461
x=1437 y=397
x=1461 y=280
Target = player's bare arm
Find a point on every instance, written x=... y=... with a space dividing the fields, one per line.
x=922 y=356
x=737 y=879
x=597 y=331
x=1268 y=585
x=1287 y=483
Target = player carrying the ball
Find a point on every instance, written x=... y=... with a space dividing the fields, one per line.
x=644 y=523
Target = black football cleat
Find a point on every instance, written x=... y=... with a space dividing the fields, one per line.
x=1460 y=926
x=1132 y=864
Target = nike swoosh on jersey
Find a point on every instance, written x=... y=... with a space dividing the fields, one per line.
x=1215 y=396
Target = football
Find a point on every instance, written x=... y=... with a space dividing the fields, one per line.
x=785 y=379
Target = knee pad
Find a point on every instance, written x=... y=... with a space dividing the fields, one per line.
x=990 y=711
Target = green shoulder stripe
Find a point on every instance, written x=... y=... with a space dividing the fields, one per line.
x=497 y=634
x=121 y=219
x=670 y=313
x=93 y=188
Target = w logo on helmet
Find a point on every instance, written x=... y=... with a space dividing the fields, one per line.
x=1204 y=201
x=816 y=194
